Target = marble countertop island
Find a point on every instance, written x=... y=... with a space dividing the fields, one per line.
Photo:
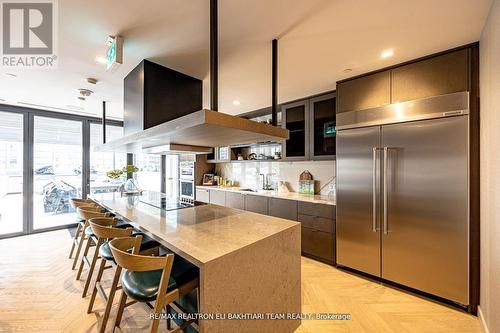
x=249 y=263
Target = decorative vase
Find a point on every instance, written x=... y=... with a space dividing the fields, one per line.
x=130 y=186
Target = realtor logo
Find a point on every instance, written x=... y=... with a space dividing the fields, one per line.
x=29 y=31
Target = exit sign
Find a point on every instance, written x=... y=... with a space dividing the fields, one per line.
x=115 y=52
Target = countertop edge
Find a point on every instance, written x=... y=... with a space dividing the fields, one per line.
x=297 y=196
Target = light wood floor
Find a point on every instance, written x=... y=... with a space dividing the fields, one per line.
x=38 y=293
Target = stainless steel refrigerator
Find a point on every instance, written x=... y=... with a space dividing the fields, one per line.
x=402 y=194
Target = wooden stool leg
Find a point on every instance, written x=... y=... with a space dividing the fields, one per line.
x=121 y=307
x=98 y=279
x=80 y=244
x=87 y=247
x=77 y=233
x=111 y=297
x=91 y=268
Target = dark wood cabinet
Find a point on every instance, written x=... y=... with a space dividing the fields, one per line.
x=256 y=204
x=364 y=93
x=295 y=118
x=284 y=208
x=435 y=76
x=318 y=244
x=235 y=200
x=322 y=127
x=318 y=230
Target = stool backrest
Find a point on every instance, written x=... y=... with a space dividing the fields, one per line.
x=133 y=261
x=104 y=227
x=87 y=213
x=75 y=202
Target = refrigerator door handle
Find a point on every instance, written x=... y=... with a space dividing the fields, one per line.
x=386 y=222
x=374 y=189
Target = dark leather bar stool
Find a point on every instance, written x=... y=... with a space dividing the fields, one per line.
x=147 y=279
x=105 y=229
x=85 y=213
x=75 y=203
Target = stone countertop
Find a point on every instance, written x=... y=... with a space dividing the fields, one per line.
x=316 y=198
x=200 y=234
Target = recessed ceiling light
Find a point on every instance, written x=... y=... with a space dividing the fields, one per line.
x=236 y=102
x=347 y=70
x=387 y=54
x=11 y=74
x=101 y=60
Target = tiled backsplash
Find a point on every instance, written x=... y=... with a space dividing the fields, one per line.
x=247 y=174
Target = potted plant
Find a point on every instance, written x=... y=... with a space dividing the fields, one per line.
x=130 y=185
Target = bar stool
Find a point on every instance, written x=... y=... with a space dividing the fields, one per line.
x=86 y=213
x=75 y=203
x=147 y=279
x=105 y=230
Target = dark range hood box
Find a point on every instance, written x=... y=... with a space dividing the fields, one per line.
x=154 y=94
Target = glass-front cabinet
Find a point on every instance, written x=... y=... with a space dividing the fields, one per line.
x=295 y=118
x=311 y=123
x=322 y=127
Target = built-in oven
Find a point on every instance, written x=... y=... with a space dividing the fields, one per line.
x=186 y=180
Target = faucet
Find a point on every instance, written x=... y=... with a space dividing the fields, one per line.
x=266 y=183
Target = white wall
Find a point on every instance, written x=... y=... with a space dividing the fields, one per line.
x=247 y=174
x=490 y=169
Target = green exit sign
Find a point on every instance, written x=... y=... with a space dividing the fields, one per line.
x=115 y=52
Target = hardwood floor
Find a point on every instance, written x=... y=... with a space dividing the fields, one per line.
x=38 y=293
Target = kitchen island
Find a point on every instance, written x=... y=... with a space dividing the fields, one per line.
x=249 y=263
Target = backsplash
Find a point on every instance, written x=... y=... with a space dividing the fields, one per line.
x=247 y=174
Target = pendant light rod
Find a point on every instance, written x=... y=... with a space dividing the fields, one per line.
x=274 y=79
x=103 y=121
x=214 y=100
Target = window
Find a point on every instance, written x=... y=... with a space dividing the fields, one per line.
x=102 y=162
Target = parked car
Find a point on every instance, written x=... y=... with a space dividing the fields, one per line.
x=78 y=171
x=46 y=170
x=56 y=196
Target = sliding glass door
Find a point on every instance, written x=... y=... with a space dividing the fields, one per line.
x=11 y=173
x=57 y=170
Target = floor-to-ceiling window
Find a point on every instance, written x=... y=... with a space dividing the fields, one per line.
x=11 y=173
x=45 y=160
x=57 y=170
x=102 y=162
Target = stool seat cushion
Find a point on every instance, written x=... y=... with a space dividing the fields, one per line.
x=143 y=286
x=89 y=232
x=105 y=251
x=147 y=242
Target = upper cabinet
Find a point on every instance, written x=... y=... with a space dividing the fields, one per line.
x=436 y=76
x=433 y=76
x=311 y=123
x=322 y=127
x=364 y=92
x=295 y=118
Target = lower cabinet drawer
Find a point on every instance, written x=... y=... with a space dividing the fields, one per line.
x=218 y=197
x=202 y=195
x=235 y=200
x=318 y=223
x=318 y=244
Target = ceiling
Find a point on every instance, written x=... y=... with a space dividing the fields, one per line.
x=318 y=41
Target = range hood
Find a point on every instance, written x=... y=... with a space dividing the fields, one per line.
x=163 y=112
x=196 y=133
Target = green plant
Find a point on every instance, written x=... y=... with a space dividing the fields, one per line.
x=130 y=169
x=114 y=174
